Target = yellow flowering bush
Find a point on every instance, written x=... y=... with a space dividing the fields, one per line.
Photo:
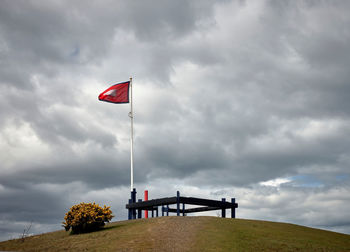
x=86 y=217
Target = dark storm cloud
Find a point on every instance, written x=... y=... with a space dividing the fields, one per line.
x=30 y=203
x=82 y=34
x=95 y=166
x=160 y=20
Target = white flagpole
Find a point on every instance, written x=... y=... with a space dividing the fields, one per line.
x=131 y=141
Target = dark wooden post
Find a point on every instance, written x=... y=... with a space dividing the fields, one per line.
x=167 y=210
x=130 y=211
x=152 y=213
x=156 y=211
x=178 y=203
x=139 y=211
x=183 y=209
x=233 y=209
x=162 y=210
x=223 y=209
x=133 y=197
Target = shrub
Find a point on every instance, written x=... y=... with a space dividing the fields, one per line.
x=86 y=217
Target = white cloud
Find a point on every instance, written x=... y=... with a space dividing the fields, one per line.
x=275 y=182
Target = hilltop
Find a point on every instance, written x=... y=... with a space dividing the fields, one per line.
x=188 y=234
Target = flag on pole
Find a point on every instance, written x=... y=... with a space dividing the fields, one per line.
x=118 y=93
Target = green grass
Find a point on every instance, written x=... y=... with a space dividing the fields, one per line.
x=188 y=234
x=249 y=235
x=114 y=236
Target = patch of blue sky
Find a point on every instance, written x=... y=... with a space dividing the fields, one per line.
x=75 y=52
x=342 y=177
x=305 y=181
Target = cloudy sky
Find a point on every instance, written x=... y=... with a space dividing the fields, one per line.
x=245 y=99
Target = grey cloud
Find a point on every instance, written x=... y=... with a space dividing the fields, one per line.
x=98 y=170
x=160 y=19
x=30 y=204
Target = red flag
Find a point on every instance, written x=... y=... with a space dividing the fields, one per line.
x=118 y=93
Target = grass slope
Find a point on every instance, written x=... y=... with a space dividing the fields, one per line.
x=188 y=234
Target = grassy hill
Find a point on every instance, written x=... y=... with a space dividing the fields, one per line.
x=188 y=234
